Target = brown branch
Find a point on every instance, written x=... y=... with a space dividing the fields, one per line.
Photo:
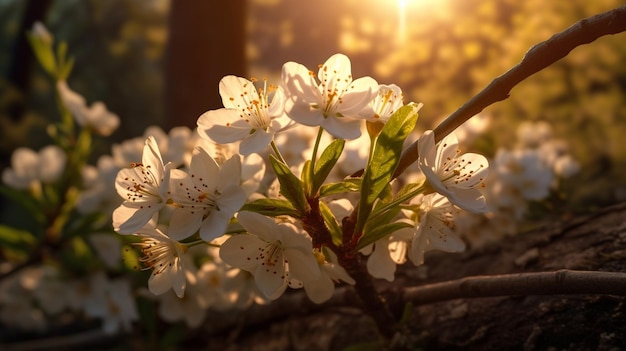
x=537 y=58
x=561 y=282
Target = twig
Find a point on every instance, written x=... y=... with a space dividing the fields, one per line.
x=537 y=58
x=561 y=282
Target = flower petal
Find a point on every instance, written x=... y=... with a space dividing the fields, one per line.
x=223 y=126
x=242 y=251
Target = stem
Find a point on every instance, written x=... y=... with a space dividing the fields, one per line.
x=561 y=282
x=374 y=304
x=537 y=58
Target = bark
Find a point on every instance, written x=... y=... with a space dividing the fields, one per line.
x=535 y=322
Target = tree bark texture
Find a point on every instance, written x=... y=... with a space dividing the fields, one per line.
x=550 y=322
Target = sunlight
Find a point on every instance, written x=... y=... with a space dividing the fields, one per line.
x=407 y=6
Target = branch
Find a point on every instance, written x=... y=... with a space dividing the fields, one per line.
x=537 y=58
x=561 y=282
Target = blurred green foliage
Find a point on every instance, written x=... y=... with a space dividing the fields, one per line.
x=119 y=48
x=451 y=50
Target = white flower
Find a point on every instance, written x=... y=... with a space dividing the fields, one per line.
x=96 y=117
x=451 y=174
x=248 y=115
x=30 y=168
x=113 y=302
x=388 y=100
x=144 y=188
x=191 y=308
x=525 y=171
x=207 y=198
x=334 y=103
x=273 y=253
x=434 y=230
x=165 y=256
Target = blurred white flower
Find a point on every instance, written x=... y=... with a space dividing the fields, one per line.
x=533 y=134
x=29 y=168
x=525 y=171
x=96 y=117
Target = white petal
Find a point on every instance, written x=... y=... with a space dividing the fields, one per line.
x=336 y=73
x=380 y=264
x=237 y=92
x=184 y=222
x=215 y=224
x=223 y=126
x=341 y=127
x=255 y=142
x=447 y=149
x=151 y=158
x=241 y=251
x=320 y=290
x=302 y=264
x=360 y=94
x=298 y=82
x=471 y=200
x=260 y=225
x=271 y=284
x=130 y=217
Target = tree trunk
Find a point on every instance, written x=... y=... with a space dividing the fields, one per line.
x=206 y=42
x=561 y=322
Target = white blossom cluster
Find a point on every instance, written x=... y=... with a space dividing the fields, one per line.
x=179 y=199
x=529 y=172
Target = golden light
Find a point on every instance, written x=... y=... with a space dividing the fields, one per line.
x=406 y=7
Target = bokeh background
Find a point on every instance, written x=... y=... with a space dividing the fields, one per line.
x=156 y=62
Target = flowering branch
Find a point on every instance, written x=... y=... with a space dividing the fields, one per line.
x=536 y=59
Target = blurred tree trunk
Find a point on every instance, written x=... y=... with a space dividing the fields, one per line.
x=206 y=42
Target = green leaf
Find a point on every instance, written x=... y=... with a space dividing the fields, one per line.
x=380 y=232
x=307 y=182
x=290 y=186
x=384 y=159
x=43 y=52
x=346 y=186
x=326 y=163
x=331 y=222
x=66 y=69
x=16 y=238
x=271 y=207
